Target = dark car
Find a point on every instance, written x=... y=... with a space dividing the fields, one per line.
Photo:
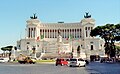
x=87 y=62
x=61 y=61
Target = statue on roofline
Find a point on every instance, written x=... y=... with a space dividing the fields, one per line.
x=34 y=16
x=87 y=15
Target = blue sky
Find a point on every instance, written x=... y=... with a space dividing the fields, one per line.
x=14 y=13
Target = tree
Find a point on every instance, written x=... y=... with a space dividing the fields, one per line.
x=110 y=33
x=117 y=50
x=8 y=48
x=3 y=49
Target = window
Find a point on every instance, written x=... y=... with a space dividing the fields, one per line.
x=80 y=60
x=37 y=45
x=91 y=28
x=91 y=42
x=85 y=28
x=86 y=34
x=19 y=46
x=29 y=33
x=81 y=45
x=28 y=42
x=88 y=28
x=91 y=47
x=73 y=59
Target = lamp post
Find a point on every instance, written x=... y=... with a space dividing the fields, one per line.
x=34 y=51
x=27 y=49
x=87 y=51
x=15 y=48
x=43 y=50
x=72 y=53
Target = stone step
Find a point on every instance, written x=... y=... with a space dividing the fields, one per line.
x=55 y=55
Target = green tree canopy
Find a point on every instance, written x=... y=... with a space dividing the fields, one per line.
x=110 y=33
x=7 y=48
x=117 y=50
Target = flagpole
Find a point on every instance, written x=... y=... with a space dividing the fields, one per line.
x=43 y=46
x=72 y=48
x=71 y=37
x=35 y=48
x=42 y=37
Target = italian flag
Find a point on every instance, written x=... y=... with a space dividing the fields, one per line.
x=70 y=37
x=42 y=36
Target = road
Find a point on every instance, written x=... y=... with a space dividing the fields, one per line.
x=92 y=68
x=103 y=68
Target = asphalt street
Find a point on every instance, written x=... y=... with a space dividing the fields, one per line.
x=92 y=68
x=103 y=68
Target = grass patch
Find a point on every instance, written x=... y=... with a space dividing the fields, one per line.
x=45 y=61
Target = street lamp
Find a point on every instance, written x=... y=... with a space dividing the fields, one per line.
x=34 y=51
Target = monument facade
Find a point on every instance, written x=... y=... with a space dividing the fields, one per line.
x=59 y=38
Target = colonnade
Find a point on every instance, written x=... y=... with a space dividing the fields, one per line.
x=53 y=33
x=31 y=32
x=87 y=31
x=65 y=33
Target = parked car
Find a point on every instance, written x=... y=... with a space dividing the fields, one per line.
x=22 y=59
x=77 y=62
x=106 y=59
x=68 y=60
x=61 y=61
x=3 y=60
x=87 y=62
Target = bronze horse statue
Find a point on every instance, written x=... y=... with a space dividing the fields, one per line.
x=34 y=16
x=87 y=15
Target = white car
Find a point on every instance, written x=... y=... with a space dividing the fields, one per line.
x=2 y=60
x=77 y=62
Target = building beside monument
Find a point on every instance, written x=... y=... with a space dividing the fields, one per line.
x=60 y=38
